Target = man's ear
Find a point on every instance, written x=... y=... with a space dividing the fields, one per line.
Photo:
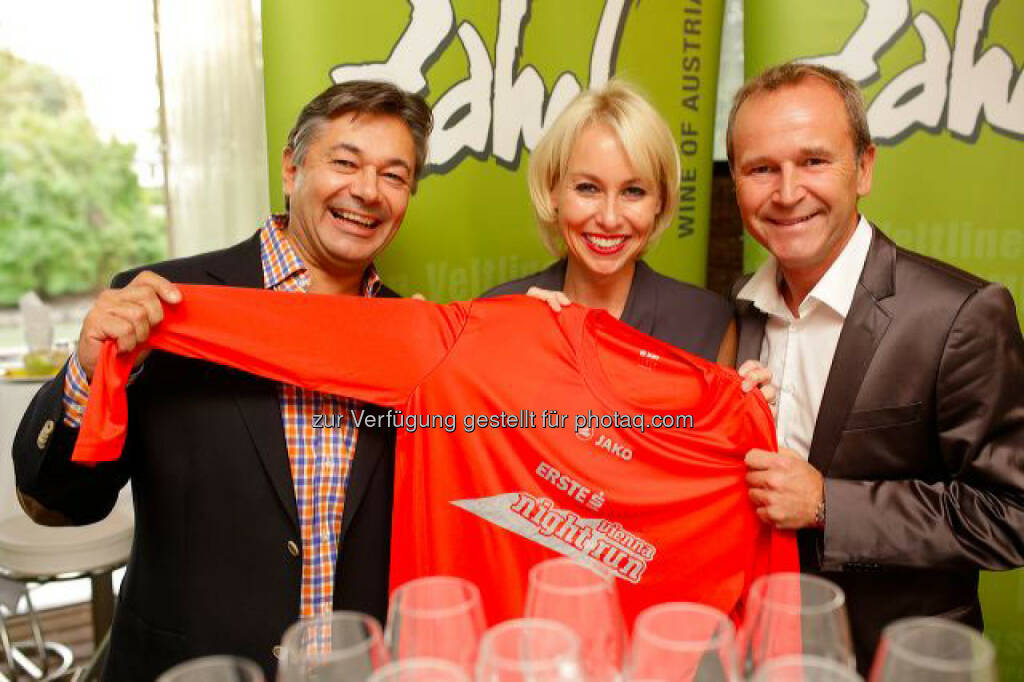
x=865 y=171
x=288 y=170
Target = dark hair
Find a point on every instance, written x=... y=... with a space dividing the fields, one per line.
x=363 y=97
x=775 y=77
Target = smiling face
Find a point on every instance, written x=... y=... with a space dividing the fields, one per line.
x=348 y=196
x=797 y=175
x=605 y=212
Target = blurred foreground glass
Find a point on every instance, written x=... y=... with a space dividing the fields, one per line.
x=214 y=669
x=529 y=649
x=683 y=642
x=793 y=614
x=805 y=669
x=585 y=600
x=436 y=617
x=343 y=646
x=420 y=670
x=933 y=650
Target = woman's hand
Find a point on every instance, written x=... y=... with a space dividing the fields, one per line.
x=556 y=300
x=757 y=375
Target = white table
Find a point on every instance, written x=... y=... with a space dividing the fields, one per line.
x=14 y=399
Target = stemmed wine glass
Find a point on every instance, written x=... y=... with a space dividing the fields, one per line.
x=795 y=614
x=214 y=669
x=683 y=642
x=933 y=650
x=805 y=669
x=420 y=670
x=585 y=600
x=343 y=646
x=529 y=650
x=436 y=617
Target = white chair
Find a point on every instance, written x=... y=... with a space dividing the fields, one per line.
x=30 y=553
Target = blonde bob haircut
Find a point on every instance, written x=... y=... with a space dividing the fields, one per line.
x=647 y=140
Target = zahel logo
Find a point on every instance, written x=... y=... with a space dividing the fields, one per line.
x=954 y=89
x=498 y=108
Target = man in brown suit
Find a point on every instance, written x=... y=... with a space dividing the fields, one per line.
x=901 y=409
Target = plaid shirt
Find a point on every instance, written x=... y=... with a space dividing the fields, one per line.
x=320 y=458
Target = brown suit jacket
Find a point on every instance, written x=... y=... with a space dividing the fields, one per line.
x=920 y=437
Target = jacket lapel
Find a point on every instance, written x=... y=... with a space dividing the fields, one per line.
x=257 y=398
x=750 y=322
x=642 y=303
x=372 y=446
x=863 y=330
x=751 y=332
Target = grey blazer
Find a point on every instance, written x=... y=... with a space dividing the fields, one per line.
x=920 y=437
x=684 y=315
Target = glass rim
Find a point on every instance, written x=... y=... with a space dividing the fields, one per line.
x=726 y=635
x=296 y=629
x=202 y=662
x=471 y=599
x=418 y=663
x=805 y=660
x=504 y=662
x=602 y=579
x=757 y=589
x=985 y=649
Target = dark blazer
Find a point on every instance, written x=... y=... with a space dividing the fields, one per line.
x=920 y=436
x=686 y=316
x=215 y=566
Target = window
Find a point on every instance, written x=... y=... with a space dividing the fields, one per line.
x=82 y=192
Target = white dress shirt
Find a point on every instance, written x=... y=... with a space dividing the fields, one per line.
x=799 y=350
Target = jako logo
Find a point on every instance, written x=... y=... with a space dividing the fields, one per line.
x=606 y=443
x=497 y=109
x=584 y=433
x=949 y=89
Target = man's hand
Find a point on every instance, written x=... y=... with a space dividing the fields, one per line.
x=556 y=300
x=784 y=488
x=756 y=374
x=125 y=315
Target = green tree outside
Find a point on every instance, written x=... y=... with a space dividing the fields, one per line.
x=71 y=210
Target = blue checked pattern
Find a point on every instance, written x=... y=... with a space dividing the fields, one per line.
x=320 y=459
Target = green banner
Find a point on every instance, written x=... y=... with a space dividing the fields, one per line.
x=496 y=73
x=942 y=79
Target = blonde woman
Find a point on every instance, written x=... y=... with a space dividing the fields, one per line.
x=603 y=181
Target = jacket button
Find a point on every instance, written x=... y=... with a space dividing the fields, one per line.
x=44 y=434
x=276 y=651
x=293 y=548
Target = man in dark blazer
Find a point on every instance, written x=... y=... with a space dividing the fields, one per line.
x=901 y=411
x=226 y=554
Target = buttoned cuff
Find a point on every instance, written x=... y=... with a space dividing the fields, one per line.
x=76 y=393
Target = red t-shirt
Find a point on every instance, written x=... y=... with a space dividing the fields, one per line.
x=664 y=509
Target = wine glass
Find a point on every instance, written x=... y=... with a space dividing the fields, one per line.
x=585 y=600
x=343 y=646
x=529 y=650
x=933 y=650
x=420 y=670
x=796 y=614
x=214 y=669
x=436 y=617
x=805 y=669
x=683 y=642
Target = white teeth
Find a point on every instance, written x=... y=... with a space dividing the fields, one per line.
x=355 y=218
x=605 y=242
x=794 y=221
